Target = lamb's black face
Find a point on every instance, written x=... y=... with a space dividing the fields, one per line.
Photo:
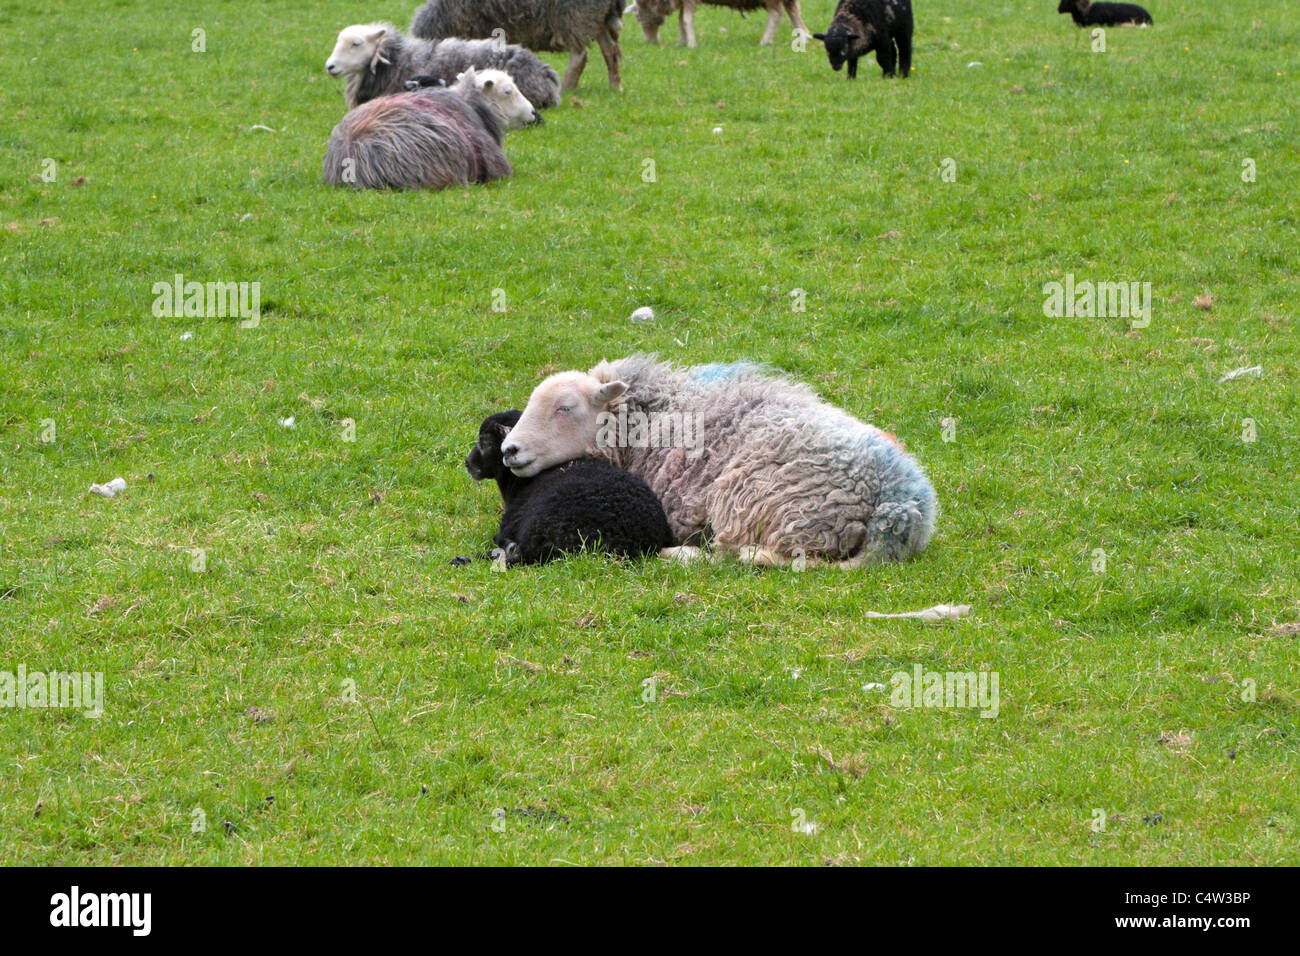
x=837 y=46
x=484 y=459
x=1067 y=6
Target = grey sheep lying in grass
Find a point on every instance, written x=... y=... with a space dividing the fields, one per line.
x=568 y=507
x=559 y=25
x=429 y=139
x=779 y=475
x=377 y=60
x=652 y=13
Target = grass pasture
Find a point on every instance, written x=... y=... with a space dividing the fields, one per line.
x=294 y=674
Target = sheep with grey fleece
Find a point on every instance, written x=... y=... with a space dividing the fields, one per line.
x=779 y=476
x=377 y=60
x=430 y=139
x=652 y=13
x=568 y=26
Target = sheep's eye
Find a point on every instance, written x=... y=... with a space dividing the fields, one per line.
x=356 y=43
x=563 y=409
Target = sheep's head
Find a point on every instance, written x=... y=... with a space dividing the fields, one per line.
x=500 y=89
x=651 y=15
x=484 y=459
x=359 y=48
x=838 y=43
x=560 y=421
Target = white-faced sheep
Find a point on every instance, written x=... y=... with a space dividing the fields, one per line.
x=568 y=507
x=651 y=14
x=429 y=139
x=780 y=475
x=377 y=60
x=569 y=26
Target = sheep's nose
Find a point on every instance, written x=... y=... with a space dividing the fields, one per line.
x=330 y=68
x=508 y=449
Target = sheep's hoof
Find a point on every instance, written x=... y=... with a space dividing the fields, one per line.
x=460 y=561
x=683 y=554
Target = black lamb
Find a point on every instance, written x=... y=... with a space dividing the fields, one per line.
x=583 y=503
x=1088 y=14
x=860 y=26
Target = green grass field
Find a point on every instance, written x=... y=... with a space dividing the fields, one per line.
x=327 y=690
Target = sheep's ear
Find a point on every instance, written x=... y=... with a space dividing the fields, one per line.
x=501 y=429
x=819 y=36
x=850 y=37
x=607 y=393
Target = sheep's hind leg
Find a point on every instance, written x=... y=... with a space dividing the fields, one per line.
x=904 y=56
x=573 y=73
x=796 y=17
x=773 y=21
x=885 y=57
x=683 y=554
x=686 y=25
x=613 y=57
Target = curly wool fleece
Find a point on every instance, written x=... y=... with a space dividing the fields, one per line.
x=783 y=474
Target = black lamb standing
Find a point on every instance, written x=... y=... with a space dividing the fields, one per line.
x=860 y=26
x=1088 y=14
x=583 y=503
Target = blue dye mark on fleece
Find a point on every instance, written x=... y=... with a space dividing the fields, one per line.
x=720 y=372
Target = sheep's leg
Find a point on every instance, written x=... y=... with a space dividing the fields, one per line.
x=885 y=56
x=853 y=68
x=905 y=56
x=573 y=73
x=613 y=57
x=773 y=21
x=796 y=17
x=683 y=554
x=686 y=24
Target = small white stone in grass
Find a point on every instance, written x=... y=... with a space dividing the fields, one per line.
x=973 y=63
x=644 y=314
x=1255 y=370
x=288 y=422
x=717 y=130
x=110 y=489
x=871 y=687
x=185 y=336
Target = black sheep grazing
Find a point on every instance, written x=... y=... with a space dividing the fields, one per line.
x=1087 y=14
x=583 y=503
x=860 y=26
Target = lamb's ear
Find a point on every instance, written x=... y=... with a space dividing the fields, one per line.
x=501 y=429
x=603 y=396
